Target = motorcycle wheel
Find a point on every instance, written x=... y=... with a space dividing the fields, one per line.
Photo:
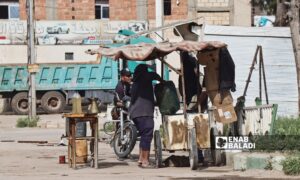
x=123 y=148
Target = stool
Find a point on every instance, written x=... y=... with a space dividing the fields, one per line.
x=72 y=120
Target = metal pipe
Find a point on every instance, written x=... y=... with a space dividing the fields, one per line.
x=264 y=75
x=260 y=91
x=251 y=70
x=122 y=124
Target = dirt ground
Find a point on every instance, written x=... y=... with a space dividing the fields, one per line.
x=32 y=162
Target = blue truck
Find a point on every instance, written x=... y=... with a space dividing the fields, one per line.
x=56 y=83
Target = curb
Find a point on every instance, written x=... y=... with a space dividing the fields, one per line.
x=243 y=161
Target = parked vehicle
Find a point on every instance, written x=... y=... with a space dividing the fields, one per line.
x=56 y=83
x=60 y=28
x=47 y=40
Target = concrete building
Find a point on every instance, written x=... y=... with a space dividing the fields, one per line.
x=216 y=12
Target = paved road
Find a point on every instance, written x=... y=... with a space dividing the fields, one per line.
x=33 y=162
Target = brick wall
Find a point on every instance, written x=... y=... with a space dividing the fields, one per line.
x=22 y=5
x=122 y=9
x=83 y=9
x=216 y=12
x=213 y=3
x=40 y=12
x=126 y=10
x=178 y=12
x=216 y=18
x=76 y=9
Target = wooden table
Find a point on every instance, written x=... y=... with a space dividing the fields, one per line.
x=72 y=120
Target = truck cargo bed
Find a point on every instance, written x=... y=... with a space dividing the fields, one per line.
x=61 y=76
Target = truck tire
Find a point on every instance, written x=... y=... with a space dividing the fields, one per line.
x=53 y=102
x=19 y=103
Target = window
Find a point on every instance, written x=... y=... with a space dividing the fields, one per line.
x=167 y=7
x=101 y=11
x=9 y=11
x=69 y=56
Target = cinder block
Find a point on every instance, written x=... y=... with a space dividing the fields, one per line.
x=240 y=161
x=276 y=162
x=258 y=161
x=229 y=156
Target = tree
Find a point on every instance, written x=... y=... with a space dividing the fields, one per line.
x=279 y=8
x=282 y=9
x=294 y=26
x=268 y=6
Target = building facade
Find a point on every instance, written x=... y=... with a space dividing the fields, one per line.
x=216 y=12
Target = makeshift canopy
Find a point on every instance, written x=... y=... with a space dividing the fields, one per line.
x=144 y=51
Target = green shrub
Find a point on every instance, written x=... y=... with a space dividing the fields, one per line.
x=285 y=137
x=291 y=166
x=27 y=122
x=287 y=126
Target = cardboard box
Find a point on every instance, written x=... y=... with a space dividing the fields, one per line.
x=218 y=98
x=175 y=132
x=211 y=78
x=81 y=151
x=209 y=58
x=225 y=114
x=202 y=126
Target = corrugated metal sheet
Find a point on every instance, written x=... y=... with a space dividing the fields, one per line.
x=279 y=64
x=257 y=120
x=248 y=31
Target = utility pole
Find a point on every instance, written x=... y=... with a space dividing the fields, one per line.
x=159 y=21
x=31 y=58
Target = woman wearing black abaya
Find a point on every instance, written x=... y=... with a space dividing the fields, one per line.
x=142 y=108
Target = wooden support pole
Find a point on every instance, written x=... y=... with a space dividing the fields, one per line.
x=294 y=26
x=183 y=90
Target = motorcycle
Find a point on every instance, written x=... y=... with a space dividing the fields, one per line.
x=125 y=134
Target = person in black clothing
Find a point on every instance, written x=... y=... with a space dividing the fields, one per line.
x=123 y=86
x=122 y=94
x=142 y=108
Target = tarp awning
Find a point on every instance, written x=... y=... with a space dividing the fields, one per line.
x=144 y=51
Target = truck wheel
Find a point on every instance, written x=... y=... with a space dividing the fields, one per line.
x=53 y=102
x=19 y=103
